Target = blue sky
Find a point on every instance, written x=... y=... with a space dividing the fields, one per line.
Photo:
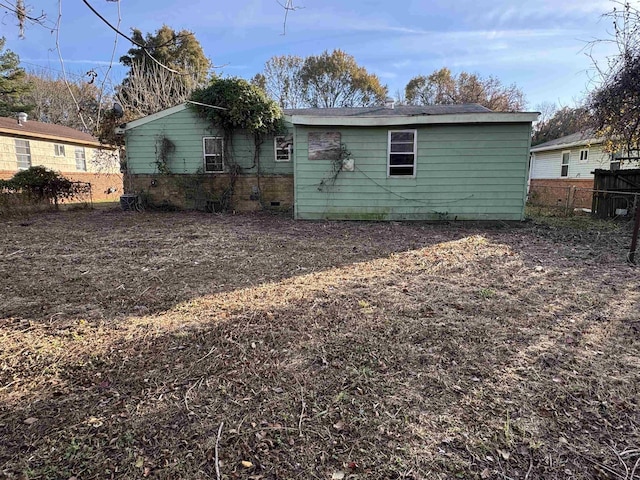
x=539 y=45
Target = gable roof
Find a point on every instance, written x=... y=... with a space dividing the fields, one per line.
x=46 y=131
x=585 y=137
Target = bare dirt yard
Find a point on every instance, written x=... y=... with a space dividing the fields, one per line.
x=195 y=346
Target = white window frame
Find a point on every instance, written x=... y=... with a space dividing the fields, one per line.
x=562 y=164
x=81 y=159
x=23 y=155
x=584 y=155
x=205 y=154
x=414 y=165
x=58 y=150
x=279 y=152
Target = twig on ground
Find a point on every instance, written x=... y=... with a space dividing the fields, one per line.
x=526 y=477
x=216 y=450
x=302 y=411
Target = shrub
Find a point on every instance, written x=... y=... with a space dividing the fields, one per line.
x=42 y=184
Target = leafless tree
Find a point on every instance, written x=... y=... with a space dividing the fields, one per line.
x=150 y=88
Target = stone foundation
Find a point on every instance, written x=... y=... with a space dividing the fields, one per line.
x=203 y=192
x=571 y=192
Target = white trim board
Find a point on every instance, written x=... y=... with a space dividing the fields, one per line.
x=384 y=121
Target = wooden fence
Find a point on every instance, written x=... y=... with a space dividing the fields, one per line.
x=615 y=192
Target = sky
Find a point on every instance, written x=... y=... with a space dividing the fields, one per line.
x=541 y=45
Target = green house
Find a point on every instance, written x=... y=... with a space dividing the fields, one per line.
x=436 y=162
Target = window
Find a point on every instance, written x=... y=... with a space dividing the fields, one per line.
x=213 y=154
x=59 y=150
x=614 y=163
x=402 y=153
x=584 y=155
x=81 y=160
x=23 y=154
x=283 y=147
x=564 y=169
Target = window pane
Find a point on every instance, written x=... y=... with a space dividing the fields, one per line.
x=401 y=171
x=402 y=147
x=402 y=137
x=23 y=154
x=565 y=171
x=565 y=158
x=212 y=145
x=81 y=163
x=213 y=163
x=401 y=159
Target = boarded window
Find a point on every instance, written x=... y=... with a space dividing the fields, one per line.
x=81 y=159
x=402 y=153
x=283 y=147
x=564 y=168
x=23 y=154
x=213 y=154
x=324 y=146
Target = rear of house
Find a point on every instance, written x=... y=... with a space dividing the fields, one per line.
x=445 y=162
x=461 y=162
x=176 y=158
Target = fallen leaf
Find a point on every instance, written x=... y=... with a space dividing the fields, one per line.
x=337 y=475
x=339 y=425
x=31 y=420
x=246 y=464
x=503 y=454
x=139 y=462
x=486 y=473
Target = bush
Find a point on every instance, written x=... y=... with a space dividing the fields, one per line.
x=42 y=184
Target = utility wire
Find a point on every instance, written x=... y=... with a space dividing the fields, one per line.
x=142 y=46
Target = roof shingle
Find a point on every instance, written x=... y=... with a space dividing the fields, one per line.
x=400 y=110
x=34 y=129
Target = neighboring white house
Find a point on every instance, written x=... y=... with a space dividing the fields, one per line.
x=563 y=168
x=574 y=156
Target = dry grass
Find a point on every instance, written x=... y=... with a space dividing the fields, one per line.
x=325 y=350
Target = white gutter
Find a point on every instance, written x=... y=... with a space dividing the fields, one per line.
x=382 y=121
x=564 y=146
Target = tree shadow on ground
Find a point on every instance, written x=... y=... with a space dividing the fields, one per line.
x=459 y=358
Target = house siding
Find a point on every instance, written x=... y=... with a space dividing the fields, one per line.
x=104 y=176
x=547 y=164
x=186 y=130
x=464 y=172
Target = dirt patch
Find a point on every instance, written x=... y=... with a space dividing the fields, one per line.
x=325 y=350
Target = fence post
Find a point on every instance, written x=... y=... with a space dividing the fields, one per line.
x=634 y=237
x=566 y=207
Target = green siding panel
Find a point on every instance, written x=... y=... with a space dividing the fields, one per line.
x=464 y=172
x=186 y=130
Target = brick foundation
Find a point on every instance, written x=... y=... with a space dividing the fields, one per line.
x=203 y=191
x=104 y=186
x=556 y=192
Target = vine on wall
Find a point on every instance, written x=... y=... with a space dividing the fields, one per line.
x=337 y=166
x=233 y=105
x=164 y=149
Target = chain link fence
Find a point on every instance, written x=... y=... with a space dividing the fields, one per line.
x=571 y=200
